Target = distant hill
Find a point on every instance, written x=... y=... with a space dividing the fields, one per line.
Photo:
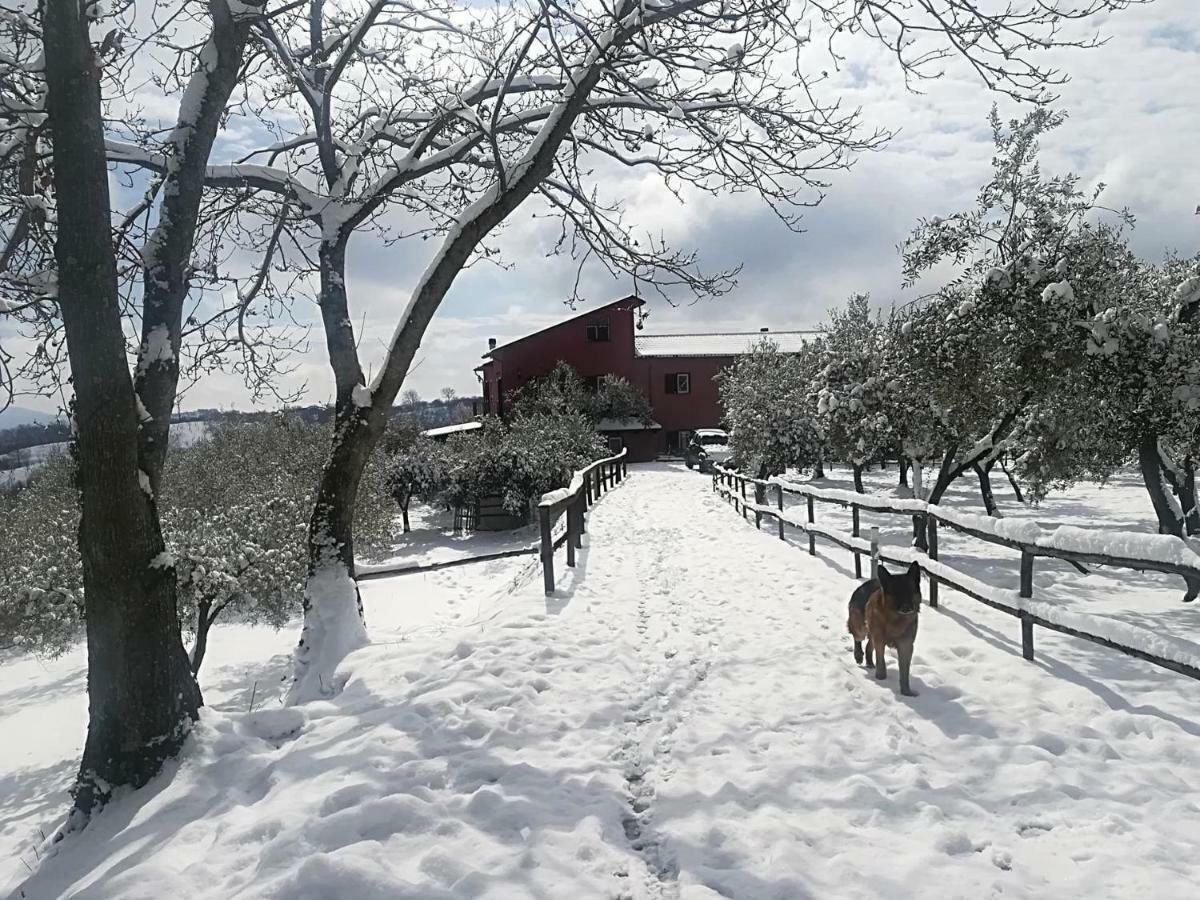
x=20 y=415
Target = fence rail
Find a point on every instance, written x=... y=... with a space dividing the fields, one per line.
x=586 y=488
x=733 y=487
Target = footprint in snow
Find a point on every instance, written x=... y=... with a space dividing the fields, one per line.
x=1033 y=828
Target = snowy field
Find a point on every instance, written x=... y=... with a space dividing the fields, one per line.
x=682 y=719
x=432 y=540
x=183 y=434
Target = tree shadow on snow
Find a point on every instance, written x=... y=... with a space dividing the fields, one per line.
x=1127 y=673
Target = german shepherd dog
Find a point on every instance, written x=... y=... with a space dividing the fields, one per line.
x=884 y=612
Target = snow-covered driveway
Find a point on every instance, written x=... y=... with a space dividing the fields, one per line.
x=684 y=719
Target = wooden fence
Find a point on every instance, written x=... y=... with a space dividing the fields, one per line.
x=587 y=486
x=733 y=487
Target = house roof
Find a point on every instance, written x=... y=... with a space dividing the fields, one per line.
x=726 y=344
x=632 y=298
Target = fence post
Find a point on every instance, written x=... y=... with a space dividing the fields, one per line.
x=931 y=529
x=570 y=514
x=547 y=549
x=1026 y=592
x=779 y=503
x=759 y=497
x=855 y=526
x=812 y=518
x=587 y=490
x=742 y=482
x=625 y=464
x=581 y=510
x=874 y=554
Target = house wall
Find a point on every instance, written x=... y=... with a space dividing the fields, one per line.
x=700 y=408
x=643 y=446
x=522 y=361
x=514 y=365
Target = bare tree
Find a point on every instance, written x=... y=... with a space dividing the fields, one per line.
x=187 y=311
x=77 y=275
x=446 y=118
x=142 y=696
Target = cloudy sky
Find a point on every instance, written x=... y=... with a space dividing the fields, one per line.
x=1134 y=107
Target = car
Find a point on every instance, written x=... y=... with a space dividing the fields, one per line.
x=708 y=446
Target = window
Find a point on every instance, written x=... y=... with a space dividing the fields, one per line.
x=679 y=383
x=597 y=331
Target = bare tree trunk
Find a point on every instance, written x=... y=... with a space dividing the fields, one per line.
x=983 y=472
x=1187 y=497
x=1012 y=480
x=1182 y=479
x=333 y=613
x=819 y=469
x=168 y=250
x=903 y=466
x=858 y=473
x=404 y=516
x=203 y=626
x=142 y=697
x=333 y=617
x=1170 y=516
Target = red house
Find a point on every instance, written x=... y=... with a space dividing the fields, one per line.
x=675 y=371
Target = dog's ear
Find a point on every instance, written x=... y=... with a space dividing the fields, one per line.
x=914 y=572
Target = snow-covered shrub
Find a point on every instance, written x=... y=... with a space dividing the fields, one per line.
x=852 y=388
x=535 y=453
x=771 y=419
x=41 y=585
x=419 y=470
x=234 y=511
x=1134 y=396
x=564 y=391
x=999 y=338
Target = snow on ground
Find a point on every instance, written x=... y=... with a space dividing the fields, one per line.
x=432 y=540
x=683 y=718
x=1146 y=600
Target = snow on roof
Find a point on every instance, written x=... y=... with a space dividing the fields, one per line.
x=452 y=429
x=728 y=344
x=626 y=425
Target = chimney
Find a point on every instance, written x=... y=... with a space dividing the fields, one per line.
x=764 y=330
x=491 y=344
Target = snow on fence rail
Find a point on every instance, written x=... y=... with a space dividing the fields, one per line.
x=586 y=487
x=1130 y=550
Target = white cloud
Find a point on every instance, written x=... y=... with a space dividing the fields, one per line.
x=1134 y=124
